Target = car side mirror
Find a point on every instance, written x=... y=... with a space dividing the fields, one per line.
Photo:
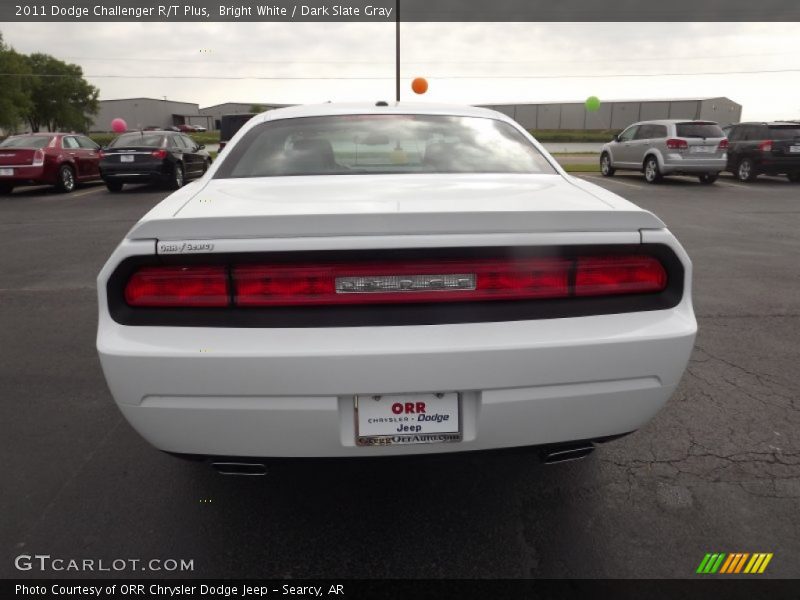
x=201 y=146
x=616 y=138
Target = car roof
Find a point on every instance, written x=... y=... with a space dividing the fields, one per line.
x=782 y=123
x=674 y=122
x=350 y=108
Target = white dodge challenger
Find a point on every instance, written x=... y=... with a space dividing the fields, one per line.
x=384 y=279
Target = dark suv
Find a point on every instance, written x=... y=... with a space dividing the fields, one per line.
x=768 y=148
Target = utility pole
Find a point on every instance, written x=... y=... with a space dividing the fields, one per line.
x=397 y=51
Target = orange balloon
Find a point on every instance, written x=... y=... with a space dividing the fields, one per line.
x=419 y=85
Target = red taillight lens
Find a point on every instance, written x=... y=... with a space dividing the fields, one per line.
x=765 y=146
x=677 y=144
x=159 y=154
x=178 y=286
x=320 y=284
x=609 y=275
x=378 y=283
x=723 y=145
x=38 y=158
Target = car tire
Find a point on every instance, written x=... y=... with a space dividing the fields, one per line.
x=66 y=179
x=745 y=170
x=652 y=174
x=178 y=177
x=794 y=177
x=708 y=178
x=6 y=189
x=114 y=186
x=606 y=170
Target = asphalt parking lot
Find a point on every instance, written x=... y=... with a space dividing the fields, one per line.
x=718 y=470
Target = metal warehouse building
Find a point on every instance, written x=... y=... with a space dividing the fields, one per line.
x=214 y=113
x=618 y=114
x=148 y=112
x=615 y=114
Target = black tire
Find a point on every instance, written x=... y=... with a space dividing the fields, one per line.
x=66 y=179
x=606 y=170
x=6 y=189
x=114 y=186
x=745 y=170
x=178 y=177
x=708 y=178
x=794 y=177
x=652 y=174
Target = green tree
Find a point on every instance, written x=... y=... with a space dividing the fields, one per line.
x=61 y=99
x=14 y=97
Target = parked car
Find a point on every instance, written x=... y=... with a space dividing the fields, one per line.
x=199 y=128
x=768 y=148
x=59 y=159
x=370 y=280
x=668 y=147
x=186 y=128
x=163 y=157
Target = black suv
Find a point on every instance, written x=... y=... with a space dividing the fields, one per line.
x=769 y=148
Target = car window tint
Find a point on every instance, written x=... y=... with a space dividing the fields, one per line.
x=85 y=142
x=698 y=130
x=659 y=131
x=382 y=143
x=643 y=132
x=188 y=142
x=146 y=140
x=69 y=142
x=26 y=141
x=783 y=132
x=628 y=133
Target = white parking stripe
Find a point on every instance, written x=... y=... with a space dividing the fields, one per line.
x=612 y=180
x=86 y=192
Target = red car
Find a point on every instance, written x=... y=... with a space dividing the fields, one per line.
x=59 y=159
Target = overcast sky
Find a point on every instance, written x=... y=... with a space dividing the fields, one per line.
x=463 y=62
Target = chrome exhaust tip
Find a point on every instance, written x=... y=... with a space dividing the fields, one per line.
x=561 y=454
x=239 y=468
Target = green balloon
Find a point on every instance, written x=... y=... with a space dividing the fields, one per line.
x=592 y=104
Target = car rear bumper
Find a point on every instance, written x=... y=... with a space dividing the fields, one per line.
x=135 y=172
x=25 y=175
x=778 y=164
x=674 y=164
x=290 y=392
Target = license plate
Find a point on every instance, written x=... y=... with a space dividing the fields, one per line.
x=126 y=158
x=398 y=419
x=794 y=149
x=6 y=172
x=702 y=149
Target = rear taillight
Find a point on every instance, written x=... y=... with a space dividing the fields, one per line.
x=446 y=281
x=608 y=275
x=723 y=145
x=178 y=286
x=317 y=284
x=765 y=146
x=159 y=154
x=677 y=144
x=38 y=158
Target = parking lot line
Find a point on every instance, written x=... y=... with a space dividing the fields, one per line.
x=612 y=180
x=87 y=192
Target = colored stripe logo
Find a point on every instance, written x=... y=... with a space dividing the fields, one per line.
x=734 y=563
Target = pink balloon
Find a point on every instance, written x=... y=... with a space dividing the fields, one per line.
x=119 y=125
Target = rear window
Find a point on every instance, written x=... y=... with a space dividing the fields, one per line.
x=26 y=141
x=358 y=144
x=784 y=132
x=148 y=140
x=699 y=130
